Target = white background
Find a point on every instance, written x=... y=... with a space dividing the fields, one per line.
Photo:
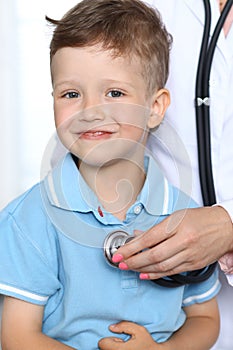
x=26 y=111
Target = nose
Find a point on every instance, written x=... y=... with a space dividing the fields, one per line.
x=91 y=114
x=92 y=110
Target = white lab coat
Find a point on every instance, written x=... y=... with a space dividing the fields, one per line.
x=175 y=145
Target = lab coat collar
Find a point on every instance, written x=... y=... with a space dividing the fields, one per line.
x=197 y=8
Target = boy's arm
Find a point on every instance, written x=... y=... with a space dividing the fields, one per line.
x=21 y=327
x=201 y=329
x=199 y=332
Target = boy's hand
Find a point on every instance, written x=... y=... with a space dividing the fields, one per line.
x=140 y=338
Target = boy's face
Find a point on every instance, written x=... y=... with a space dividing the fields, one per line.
x=102 y=111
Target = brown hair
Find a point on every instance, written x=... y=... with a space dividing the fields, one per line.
x=127 y=27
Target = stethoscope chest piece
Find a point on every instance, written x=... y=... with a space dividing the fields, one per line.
x=112 y=242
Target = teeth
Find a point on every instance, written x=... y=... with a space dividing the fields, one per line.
x=95 y=133
x=98 y=133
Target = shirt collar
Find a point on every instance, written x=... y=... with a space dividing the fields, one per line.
x=67 y=189
x=155 y=195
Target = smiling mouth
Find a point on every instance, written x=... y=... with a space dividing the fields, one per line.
x=95 y=135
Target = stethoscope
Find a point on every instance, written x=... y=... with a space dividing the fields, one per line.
x=114 y=240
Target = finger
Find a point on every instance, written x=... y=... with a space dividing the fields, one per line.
x=176 y=264
x=154 y=236
x=138 y=233
x=125 y=327
x=173 y=264
x=174 y=271
x=110 y=343
x=146 y=240
x=161 y=258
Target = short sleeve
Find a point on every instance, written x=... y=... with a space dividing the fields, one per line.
x=26 y=271
x=201 y=292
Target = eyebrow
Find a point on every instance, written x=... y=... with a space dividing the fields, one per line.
x=119 y=82
x=75 y=82
x=65 y=82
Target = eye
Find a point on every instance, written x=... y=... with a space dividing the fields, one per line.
x=71 y=94
x=115 y=93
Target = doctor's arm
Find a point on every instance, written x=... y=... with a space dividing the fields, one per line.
x=187 y=240
x=21 y=327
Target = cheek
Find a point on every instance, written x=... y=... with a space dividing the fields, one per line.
x=62 y=116
x=131 y=115
x=63 y=122
x=58 y=115
x=66 y=137
x=60 y=121
x=134 y=133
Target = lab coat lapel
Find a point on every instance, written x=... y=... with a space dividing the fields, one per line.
x=222 y=42
x=197 y=8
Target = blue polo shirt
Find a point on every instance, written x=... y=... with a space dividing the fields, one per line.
x=51 y=240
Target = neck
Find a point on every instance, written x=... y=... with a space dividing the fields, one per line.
x=229 y=20
x=222 y=3
x=116 y=184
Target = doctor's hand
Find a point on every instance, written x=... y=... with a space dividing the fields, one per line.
x=187 y=240
x=140 y=338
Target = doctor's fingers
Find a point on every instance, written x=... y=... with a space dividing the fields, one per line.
x=165 y=268
x=145 y=240
x=161 y=255
x=163 y=259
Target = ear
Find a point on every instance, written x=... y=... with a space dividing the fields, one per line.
x=159 y=104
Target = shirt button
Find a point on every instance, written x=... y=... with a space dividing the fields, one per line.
x=137 y=209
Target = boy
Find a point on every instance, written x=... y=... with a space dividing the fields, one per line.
x=109 y=63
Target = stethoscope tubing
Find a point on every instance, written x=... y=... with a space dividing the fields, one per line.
x=202 y=143
x=203 y=110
